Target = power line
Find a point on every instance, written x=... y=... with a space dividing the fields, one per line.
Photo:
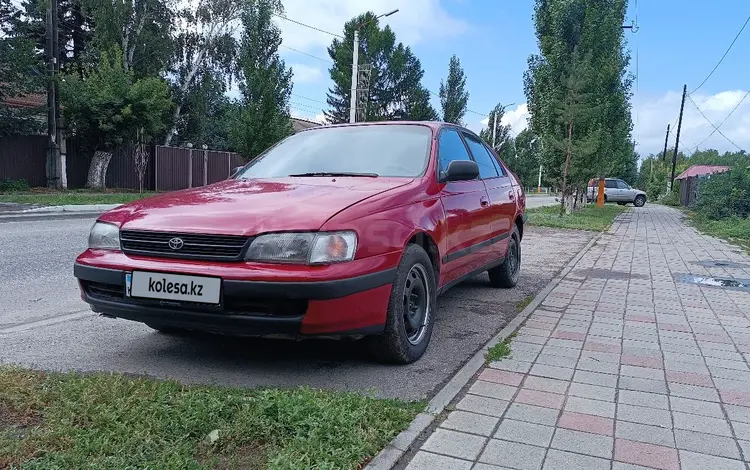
x=309 y=99
x=308 y=55
x=722 y=57
x=308 y=26
x=716 y=129
x=306 y=106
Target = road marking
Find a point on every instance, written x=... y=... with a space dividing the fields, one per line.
x=47 y=322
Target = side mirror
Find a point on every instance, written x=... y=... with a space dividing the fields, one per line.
x=462 y=170
x=235 y=171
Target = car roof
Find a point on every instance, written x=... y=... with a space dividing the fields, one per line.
x=431 y=124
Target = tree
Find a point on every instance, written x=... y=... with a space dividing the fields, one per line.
x=502 y=138
x=18 y=74
x=109 y=107
x=208 y=112
x=141 y=29
x=395 y=91
x=576 y=30
x=204 y=38
x=525 y=160
x=453 y=95
x=265 y=83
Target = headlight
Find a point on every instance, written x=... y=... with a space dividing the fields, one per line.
x=303 y=248
x=104 y=236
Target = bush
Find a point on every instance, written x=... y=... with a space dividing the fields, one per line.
x=8 y=185
x=725 y=195
x=671 y=198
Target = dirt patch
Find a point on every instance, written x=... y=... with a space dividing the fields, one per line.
x=248 y=456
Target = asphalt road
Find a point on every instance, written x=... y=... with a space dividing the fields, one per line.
x=44 y=324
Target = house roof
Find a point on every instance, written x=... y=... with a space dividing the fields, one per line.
x=302 y=124
x=33 y=100
x=702 y=170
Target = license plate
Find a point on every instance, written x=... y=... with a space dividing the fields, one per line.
x=178 y=287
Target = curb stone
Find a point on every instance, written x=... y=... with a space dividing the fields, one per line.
x=401 y=444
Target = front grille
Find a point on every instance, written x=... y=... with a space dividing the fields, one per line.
x=205 y=247
x=104 y=291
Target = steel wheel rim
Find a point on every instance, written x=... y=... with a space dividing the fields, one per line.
x=514 y=258
x=417 y=304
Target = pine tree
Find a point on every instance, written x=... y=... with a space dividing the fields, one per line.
x=265 y=83
x=453 y=95
x=395 y=90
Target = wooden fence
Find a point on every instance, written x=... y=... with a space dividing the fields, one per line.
x=169 y=168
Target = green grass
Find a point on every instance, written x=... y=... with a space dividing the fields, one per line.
x=500 y=350
x=734 y=230
x=64 y=198
x=104 y=421
x=589 y=218
x=524 y=303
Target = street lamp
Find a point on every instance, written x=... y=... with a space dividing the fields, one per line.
x=355 y=66
x=539 y=183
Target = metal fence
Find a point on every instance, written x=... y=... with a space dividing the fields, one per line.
x=169 y=168
x=689 y=190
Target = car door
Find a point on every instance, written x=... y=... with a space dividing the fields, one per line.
x=467 y=212
x=502 y=196
x=626 y=192
x=611 y=191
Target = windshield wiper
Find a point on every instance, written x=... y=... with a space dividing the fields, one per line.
x=336 y=173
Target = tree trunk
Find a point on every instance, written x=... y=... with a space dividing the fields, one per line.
x=568 y=151
x=98 y=169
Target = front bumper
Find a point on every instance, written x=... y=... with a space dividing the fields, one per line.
x=344 y=307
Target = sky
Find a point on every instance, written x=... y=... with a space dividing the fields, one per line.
x=677 y=43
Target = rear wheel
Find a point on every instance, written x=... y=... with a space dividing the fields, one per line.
x=640 y=201
x=506 y=275
x=411 y=310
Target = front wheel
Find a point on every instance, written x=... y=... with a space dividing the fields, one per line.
x=640 y=201
x=411 y=310
x=506 y=275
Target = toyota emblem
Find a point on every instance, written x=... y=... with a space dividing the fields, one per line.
x=176 y=243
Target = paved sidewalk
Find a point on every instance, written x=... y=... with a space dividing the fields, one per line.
x=623 y=366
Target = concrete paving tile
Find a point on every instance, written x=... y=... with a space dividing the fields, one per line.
x=552 y=372
x=656 y=435
x=583 y=443
x=493 y=390
x=595 y=378
x=501 y=377
x=586 y=423
x=558 y=361
x=738 y=413
x=428 y=461
x=532 y=414
x=455 y=444
x=706 y=443
x=512 y=365
x=643 y=385
x=716 y=426
x=482 y=405
x=639 y=453
x=525 y=432
x=696 y=407
x=650 y=400
x=513 y=455
x=643 y=415
x=561 y=460
x=696 y=461
x=470 y=422
x=696 y=393
x=595 y=392
x=592 y=407
x=546 y=385
x=641 y=372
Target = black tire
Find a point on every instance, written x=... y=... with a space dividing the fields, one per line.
x=411 y=310
x=506 y=275
x=640 y=201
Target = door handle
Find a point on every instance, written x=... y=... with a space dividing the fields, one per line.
x=484 y=202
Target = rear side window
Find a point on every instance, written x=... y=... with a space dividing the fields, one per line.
x=611 y=184
x=487 y=169
x=450 y=148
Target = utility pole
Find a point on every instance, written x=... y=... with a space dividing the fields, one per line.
x=666 y=142
x=61 y=180
x=677 y=142
x=51 y=98
x=494 y=132
x=355 y=66
x=355 y=62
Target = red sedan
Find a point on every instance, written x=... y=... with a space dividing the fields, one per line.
x=337 y=231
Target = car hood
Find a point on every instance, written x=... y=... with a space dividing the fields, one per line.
x=249 y=207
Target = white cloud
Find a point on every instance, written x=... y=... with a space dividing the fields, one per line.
x=416 y=20
x=651 y=117
x=305 y=73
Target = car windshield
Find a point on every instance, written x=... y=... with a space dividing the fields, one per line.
x=375 y=150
